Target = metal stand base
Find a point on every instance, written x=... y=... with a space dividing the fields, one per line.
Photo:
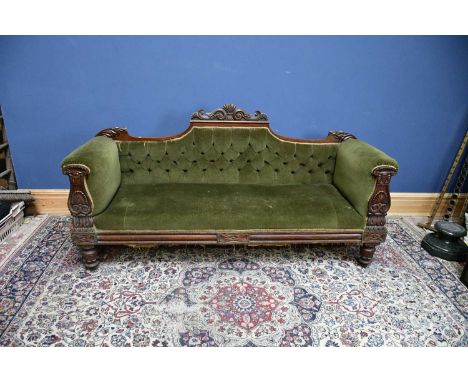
x=447 y=242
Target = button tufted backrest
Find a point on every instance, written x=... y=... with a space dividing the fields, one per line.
x=226 y=155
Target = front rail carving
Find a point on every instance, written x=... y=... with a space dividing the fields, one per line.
x=232 y=238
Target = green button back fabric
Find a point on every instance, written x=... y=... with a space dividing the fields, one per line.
x=226 y=155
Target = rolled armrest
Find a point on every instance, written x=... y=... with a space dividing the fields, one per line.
x=94 y=171
x=356 y=171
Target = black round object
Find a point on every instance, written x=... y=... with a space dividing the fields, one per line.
x=4 y=209
x=447 y=243
x=450 y=230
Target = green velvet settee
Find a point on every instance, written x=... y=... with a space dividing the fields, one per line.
x=228 y=179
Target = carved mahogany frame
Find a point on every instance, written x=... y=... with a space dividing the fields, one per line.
x=228 y=115
x=80 y=204
x=375 y=231
x=85 y=235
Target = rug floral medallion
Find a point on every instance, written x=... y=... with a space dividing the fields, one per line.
x=229 y=296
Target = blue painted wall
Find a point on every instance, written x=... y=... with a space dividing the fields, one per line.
x=406 y=95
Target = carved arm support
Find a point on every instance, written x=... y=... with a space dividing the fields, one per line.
x=94 y=173
x=363 y=174
x=378 y=206
x=80 y=205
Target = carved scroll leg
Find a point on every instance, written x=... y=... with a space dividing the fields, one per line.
x=366 y=254
x=89 y=254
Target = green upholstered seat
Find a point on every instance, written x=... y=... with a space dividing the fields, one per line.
x=202 y=206
x=228 y=178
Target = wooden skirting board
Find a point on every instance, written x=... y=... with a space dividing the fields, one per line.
x=54 y=202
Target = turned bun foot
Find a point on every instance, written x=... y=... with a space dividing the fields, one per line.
x=366 y=254
x=90 y=256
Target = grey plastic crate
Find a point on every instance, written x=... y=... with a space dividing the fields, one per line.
x=12 y=221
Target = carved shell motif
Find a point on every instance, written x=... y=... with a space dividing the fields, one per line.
x=229 y=112
x=79 y=203
x=379 y=203
x=112 y=132
x=341 y=135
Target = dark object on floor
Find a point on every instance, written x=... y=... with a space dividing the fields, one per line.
x=4 y=209
x=464 y=275
x=447 y=242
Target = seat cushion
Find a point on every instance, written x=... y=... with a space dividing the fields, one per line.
x=176 y=206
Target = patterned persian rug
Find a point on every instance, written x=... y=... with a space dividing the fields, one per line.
x=225 y=296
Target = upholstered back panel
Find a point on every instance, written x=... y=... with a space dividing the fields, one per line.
x=226 y=155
